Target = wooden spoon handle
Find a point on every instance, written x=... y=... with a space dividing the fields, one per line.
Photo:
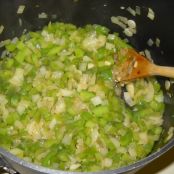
x=162 y=71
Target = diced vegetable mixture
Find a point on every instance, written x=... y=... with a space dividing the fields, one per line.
x=58 y=105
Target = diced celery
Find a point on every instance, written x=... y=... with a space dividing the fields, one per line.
x=100 y=111
x=86 y=95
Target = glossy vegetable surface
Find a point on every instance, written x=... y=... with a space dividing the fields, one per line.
x=58 y=105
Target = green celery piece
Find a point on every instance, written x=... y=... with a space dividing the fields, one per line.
x=100 y=111
x=79 y=53
x=10 y=47
x=24 y=54
x=105 y=73
x=9 y=63
x=101 y=29
x=127 y=138
x=12 y=117
x=86 y=95
x=55 y=50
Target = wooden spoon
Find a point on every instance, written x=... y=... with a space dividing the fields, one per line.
x=137 y=66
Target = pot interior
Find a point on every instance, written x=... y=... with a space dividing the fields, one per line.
x=84 y=12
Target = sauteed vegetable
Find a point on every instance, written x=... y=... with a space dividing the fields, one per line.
x=58 y=105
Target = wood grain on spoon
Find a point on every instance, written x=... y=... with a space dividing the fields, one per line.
x=137 y=66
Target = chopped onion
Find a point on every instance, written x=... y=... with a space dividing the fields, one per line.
x=54 y=16
x=170 y=133
x=151 y=14
x=131 y=11
x=20 y=22
x=59 y=107
x=65 y=93
x=128 y=99
x=94 y=134
x=109 y=46
x=14 y=40
x=3 y=100
x=111 y=36
x=131 y=23
x=159 y=98
x=115 y=142
x=123 y=19
x=128 y=32
x=167 y=85
x=148 y=55
x=52 y=123
x=132 y=151
x=22 y=106
x=156 y=120
x=67 y=139
x=1 y=28
x=94 y=42
x=18 y=124
x=143 y=138
x=74 y=166
x=130 y=89
x=115 y=20
x=150 y=42
x=18 y=77
x=17 y=151
x=133 y=30
x=107 y=162
x=83 y=66
x=157 y=42
x=150 y=92
x=138 y=10
x=90 y=65
x=20 y=9
x=122 y=7
x=86 y=59
x=96 y=100
x=42 y=15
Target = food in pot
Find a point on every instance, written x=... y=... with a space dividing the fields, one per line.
x=59 y=107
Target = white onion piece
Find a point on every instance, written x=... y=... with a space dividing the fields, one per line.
x=170 y=133
x=131 y=11
x=157 y=42
x=132 y=151
x=128 y=99
x=20 y=22
x=18 y=77
x=138 y=10
x=42 y=15
x=148 y=55
x=143 y=138
x=115 y=20
x=159 y=98
x=1 y=28
x=96 y=100
x=151 y=14
x=167 y=85
x=150 y=92
x=131 y=23
x=123 y=19
x=128 y=32
x=130 y=89
x=150 y=42
x=20 y=9
x=156 y=120
x=122 y=7
x=107 y=162
x=67 y=139
x=74 y=166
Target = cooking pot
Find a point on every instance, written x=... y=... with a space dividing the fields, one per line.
x=84 y=12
